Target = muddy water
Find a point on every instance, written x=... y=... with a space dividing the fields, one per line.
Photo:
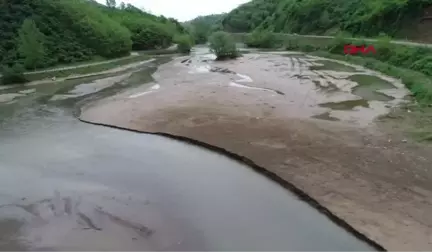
x=66 y=185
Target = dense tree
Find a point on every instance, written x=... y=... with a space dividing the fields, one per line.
x=366 y=17
x=41 y=33
x=122 y=6
x=111 y=3
x=202 y=26
x=31 y=45
x=147 y=31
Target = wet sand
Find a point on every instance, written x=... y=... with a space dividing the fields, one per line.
x=71 y=186
x=265 y=107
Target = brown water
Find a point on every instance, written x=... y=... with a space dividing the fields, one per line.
x=66 y=185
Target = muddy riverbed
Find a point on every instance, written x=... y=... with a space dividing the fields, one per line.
x=306 y=120
x=68 y=185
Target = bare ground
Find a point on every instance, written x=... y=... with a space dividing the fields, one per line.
x=377 y=183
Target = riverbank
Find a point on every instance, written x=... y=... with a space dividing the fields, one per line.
x=302 y=125
x=85 y=69
x=92 y=188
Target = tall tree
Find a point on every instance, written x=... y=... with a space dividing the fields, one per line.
x=111 y=3
x=31 y=46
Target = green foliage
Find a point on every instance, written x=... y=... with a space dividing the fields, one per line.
x=31 y=45
x=150 y=37
x=262 y=39
x=184 y=43
x=202 y=26
x=223 y=45
x=43 y=33
x=148 y=31
x=249 y=16
x=13 y=75
x=111 y=3
x=366 y=17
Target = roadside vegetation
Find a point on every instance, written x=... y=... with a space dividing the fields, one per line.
x=370 y=18
x=223 y=45
x=262 y=39
x=46 y=33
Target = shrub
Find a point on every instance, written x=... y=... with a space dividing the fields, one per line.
x=262 y=39
x=184 y=43
x=13 y=75
x=223 y=45
x=151 y=36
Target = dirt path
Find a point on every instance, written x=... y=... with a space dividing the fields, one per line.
x=263 y=107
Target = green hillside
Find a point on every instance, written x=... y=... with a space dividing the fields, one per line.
x=202 y=26
x=366 y=17
x=42 y=33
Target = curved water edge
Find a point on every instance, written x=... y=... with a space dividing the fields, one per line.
x=285 y=184
x=263 y=171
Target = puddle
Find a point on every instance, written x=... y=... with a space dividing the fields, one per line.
x=369 y=85
x=326 y=116
x=90 y=88
x=331 y=65
x=346 y=105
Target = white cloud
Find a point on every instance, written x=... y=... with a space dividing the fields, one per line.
x=184 y=10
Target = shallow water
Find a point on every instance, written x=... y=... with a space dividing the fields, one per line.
x=67 y=185
x=368 y=87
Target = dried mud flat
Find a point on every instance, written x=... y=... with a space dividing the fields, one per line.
x=305 y=120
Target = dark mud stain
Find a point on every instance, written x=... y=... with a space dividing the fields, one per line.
x=301 y=77
x=369 y=85
x=10 y=235
x=326 y=116
x=139 y=228
x=346 y=105
x=221 y=70
x=89 y=222
x=328 y=87
x=293 y=55
x=334 y=66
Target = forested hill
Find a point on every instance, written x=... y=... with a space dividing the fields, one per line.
x=201 y=27
x=41 y=33
x=365 y=17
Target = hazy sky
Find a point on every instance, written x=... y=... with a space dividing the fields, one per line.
x=184 y=10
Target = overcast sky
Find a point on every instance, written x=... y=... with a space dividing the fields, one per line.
x=184 y=10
